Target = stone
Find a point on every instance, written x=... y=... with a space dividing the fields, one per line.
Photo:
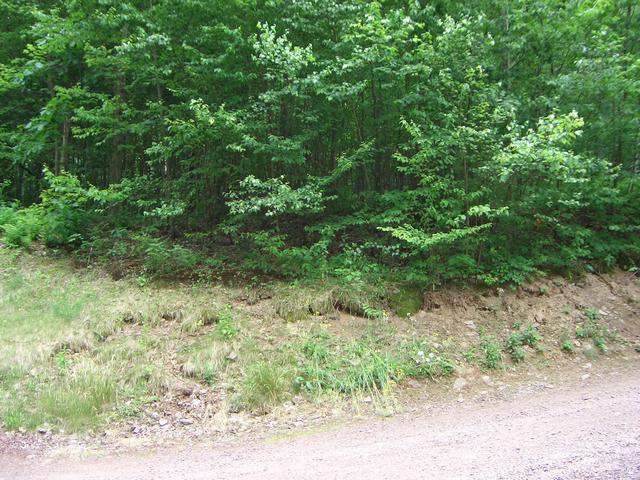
x=470 y=324
x=487 y=380
x=162 y=422
x=413 y=383
x=185 y=421
x=459 y=384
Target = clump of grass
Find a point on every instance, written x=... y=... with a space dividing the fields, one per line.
x=205 y=361
x=367 y=370
x=360 y=366
x=295 y=303
x=194 y=322
x=265 y=385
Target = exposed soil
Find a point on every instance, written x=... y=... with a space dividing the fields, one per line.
x=587 y=427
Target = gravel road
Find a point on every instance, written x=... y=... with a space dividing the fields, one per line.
x=573 y=432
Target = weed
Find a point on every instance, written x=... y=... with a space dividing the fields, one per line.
x=373 y=312
x=491 y=350
x=62 y=359
x=492 y=355
x=592 y=329
x=567 y=346
x=514 y=347
x=226 y=328
x=514 y=344
x=469 y=355
x=531 y=337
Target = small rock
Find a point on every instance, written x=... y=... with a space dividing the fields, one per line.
x=487 y=380
x=155 y=415
x=421 y=316
x=233 y=356
x=185 y=391
x=587 y=365
x=585 y=376
x=162 y=422
x=42 y=431
x=413 y=383
x=470 y=325
x=367 y=400
x=136 y=430
x=550 y=385
x=185 y=421
x=459 y=384
x=298 y=424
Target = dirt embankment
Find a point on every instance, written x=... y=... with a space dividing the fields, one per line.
x=554 y=306
x=578 y=430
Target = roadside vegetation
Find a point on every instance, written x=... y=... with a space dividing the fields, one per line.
x=79 y=350
x=171 y=169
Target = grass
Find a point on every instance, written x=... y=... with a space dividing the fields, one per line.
x=265 y=385
x=205 y=360
x=297 y=302
x=78 y=350
x=75 y=345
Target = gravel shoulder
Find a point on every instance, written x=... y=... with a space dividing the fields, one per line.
x=573 y=429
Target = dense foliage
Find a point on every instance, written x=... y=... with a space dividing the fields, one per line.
x=349 y=139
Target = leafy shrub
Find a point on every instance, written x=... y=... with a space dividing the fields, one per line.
x=491 y=350
x=20 y=226
x=530 y=336
x=592 y=329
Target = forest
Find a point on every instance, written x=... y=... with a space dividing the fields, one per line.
x=359 y=143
